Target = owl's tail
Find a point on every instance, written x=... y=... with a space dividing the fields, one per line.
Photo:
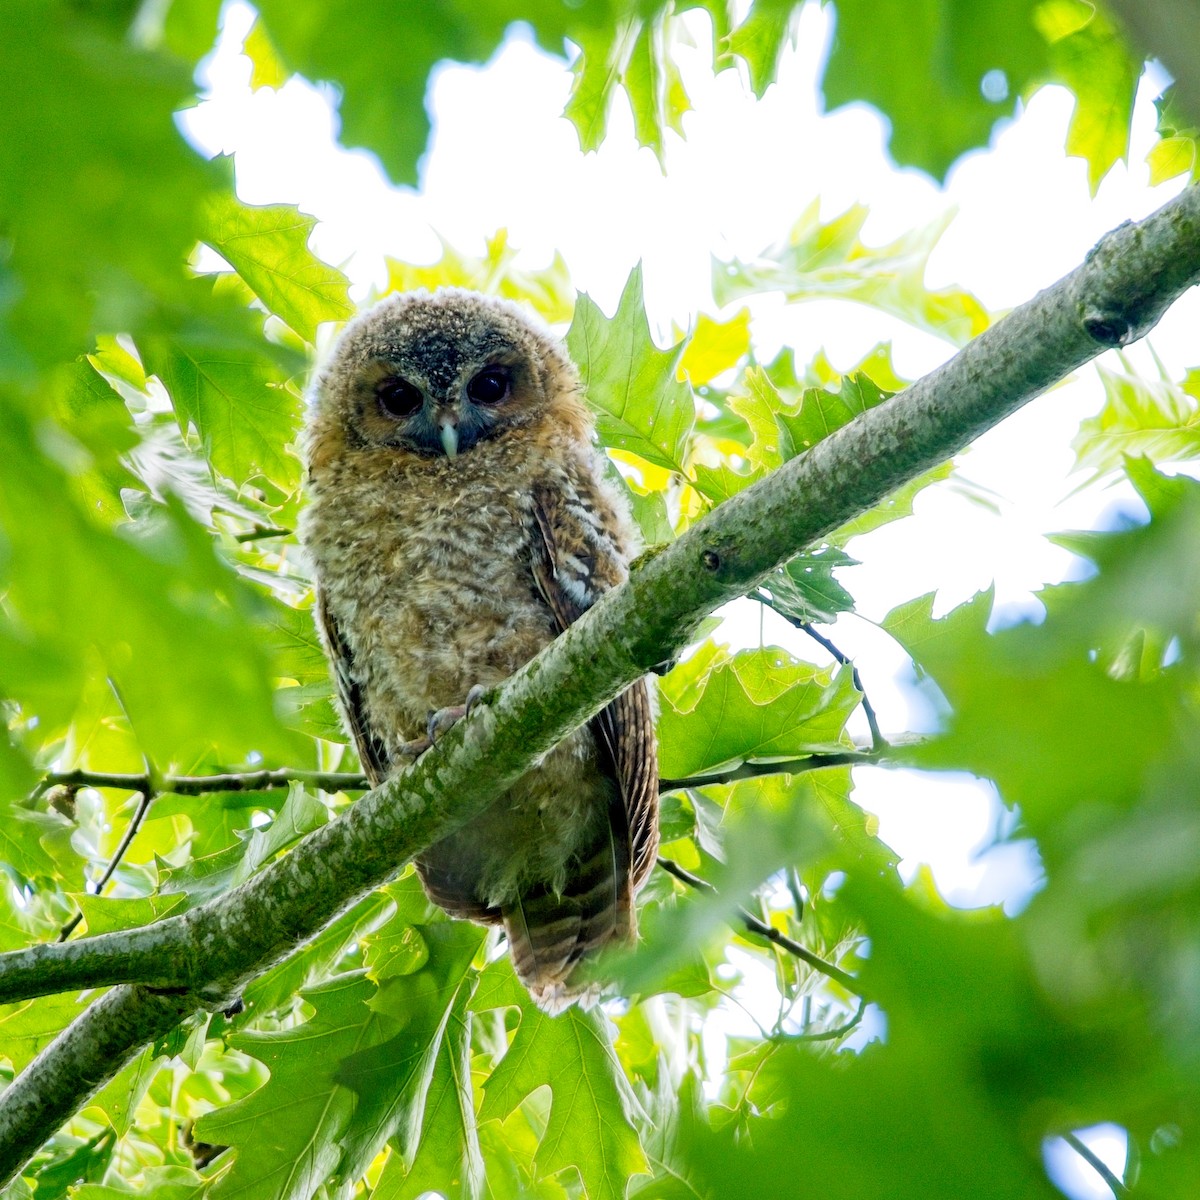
x=555 y=938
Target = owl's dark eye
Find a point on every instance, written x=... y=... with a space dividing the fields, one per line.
x=397 y=397
x=490 y=386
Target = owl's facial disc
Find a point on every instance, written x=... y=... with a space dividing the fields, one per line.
x=445 y=403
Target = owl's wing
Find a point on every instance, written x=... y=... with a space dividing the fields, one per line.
x=452 y=893
x=371 y=751
x=575 y=561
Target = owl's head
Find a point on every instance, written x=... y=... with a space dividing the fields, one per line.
x=437 y=373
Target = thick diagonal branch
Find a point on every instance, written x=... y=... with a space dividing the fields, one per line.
x=1117 y=295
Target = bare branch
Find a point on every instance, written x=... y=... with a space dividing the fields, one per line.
x=135 y=823
x=787 y=766
x=827 y=1035
x=769 y=932
x=1097 y=1164
x=196 y=785
x=877 y=738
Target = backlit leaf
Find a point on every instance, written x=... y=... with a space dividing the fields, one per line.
x=268 y=247
x=629 y=382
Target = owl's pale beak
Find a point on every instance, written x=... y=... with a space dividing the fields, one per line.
x=449 y=437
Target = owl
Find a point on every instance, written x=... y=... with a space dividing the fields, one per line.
x=459 y=519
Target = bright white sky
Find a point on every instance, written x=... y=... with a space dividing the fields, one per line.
x=501 y=156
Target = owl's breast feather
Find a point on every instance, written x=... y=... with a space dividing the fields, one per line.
x=426 y=566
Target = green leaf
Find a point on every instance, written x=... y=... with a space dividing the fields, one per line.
x=923 y=64
x=1090 y=57
x=163 y=1183
x=853 y=834
x=448 y=1158
x=119 y=1098
x=268 y=248
x=288 y=1134
x=913 y=626
x=238 y=402
x=592 y=1110
x=300 y=814
x=655 y=87
x=88 y=1160
x=391 y=1081
x=760 y=39
x=719 y=710
x=634 y=53
x=317 y=960
x=975 y=1068
x=829 y=261
x=308 y=706
x=21 y=849
x=822 y=411
x=93 y=414
x=17 y=774
x=805 y=589
x=714 y=347
x=267 y=69
x=1155 y=418
x=719 y=483
x=630 y=383
x=28 y=1027
x=383 y=94
x=107 y=915
x=759 y=403
x=898 y=505
x=99 y=193
x=1094 y=734
x=1175 y=153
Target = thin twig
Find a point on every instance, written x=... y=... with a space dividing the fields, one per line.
x=877 y=738
x=828 y=1035
x=763 y=930
x=260 y=533
x=188 y=785
x=196 y=785
x=789 y=766
x=135 y=823
x=348 y=781
x=1097 y=1165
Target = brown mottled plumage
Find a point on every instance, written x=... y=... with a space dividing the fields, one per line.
x=459 y=520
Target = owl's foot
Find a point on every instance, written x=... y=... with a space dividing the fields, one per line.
x=440 y=722
x=446 y=718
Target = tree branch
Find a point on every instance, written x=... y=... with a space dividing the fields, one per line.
x=344 y=781
x=788 y=766
x=135 y=823
x=1097 y=1164
x=1117 y=295
x=196 y=785
x=877 y=738
x=769 y=932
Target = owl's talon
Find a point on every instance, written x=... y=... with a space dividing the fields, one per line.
x=415 y=748
x=446 y=718
x=474 y=697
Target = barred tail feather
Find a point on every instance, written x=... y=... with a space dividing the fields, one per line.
x=553 y=938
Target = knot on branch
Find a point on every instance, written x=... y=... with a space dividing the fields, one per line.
x=1108 y=329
